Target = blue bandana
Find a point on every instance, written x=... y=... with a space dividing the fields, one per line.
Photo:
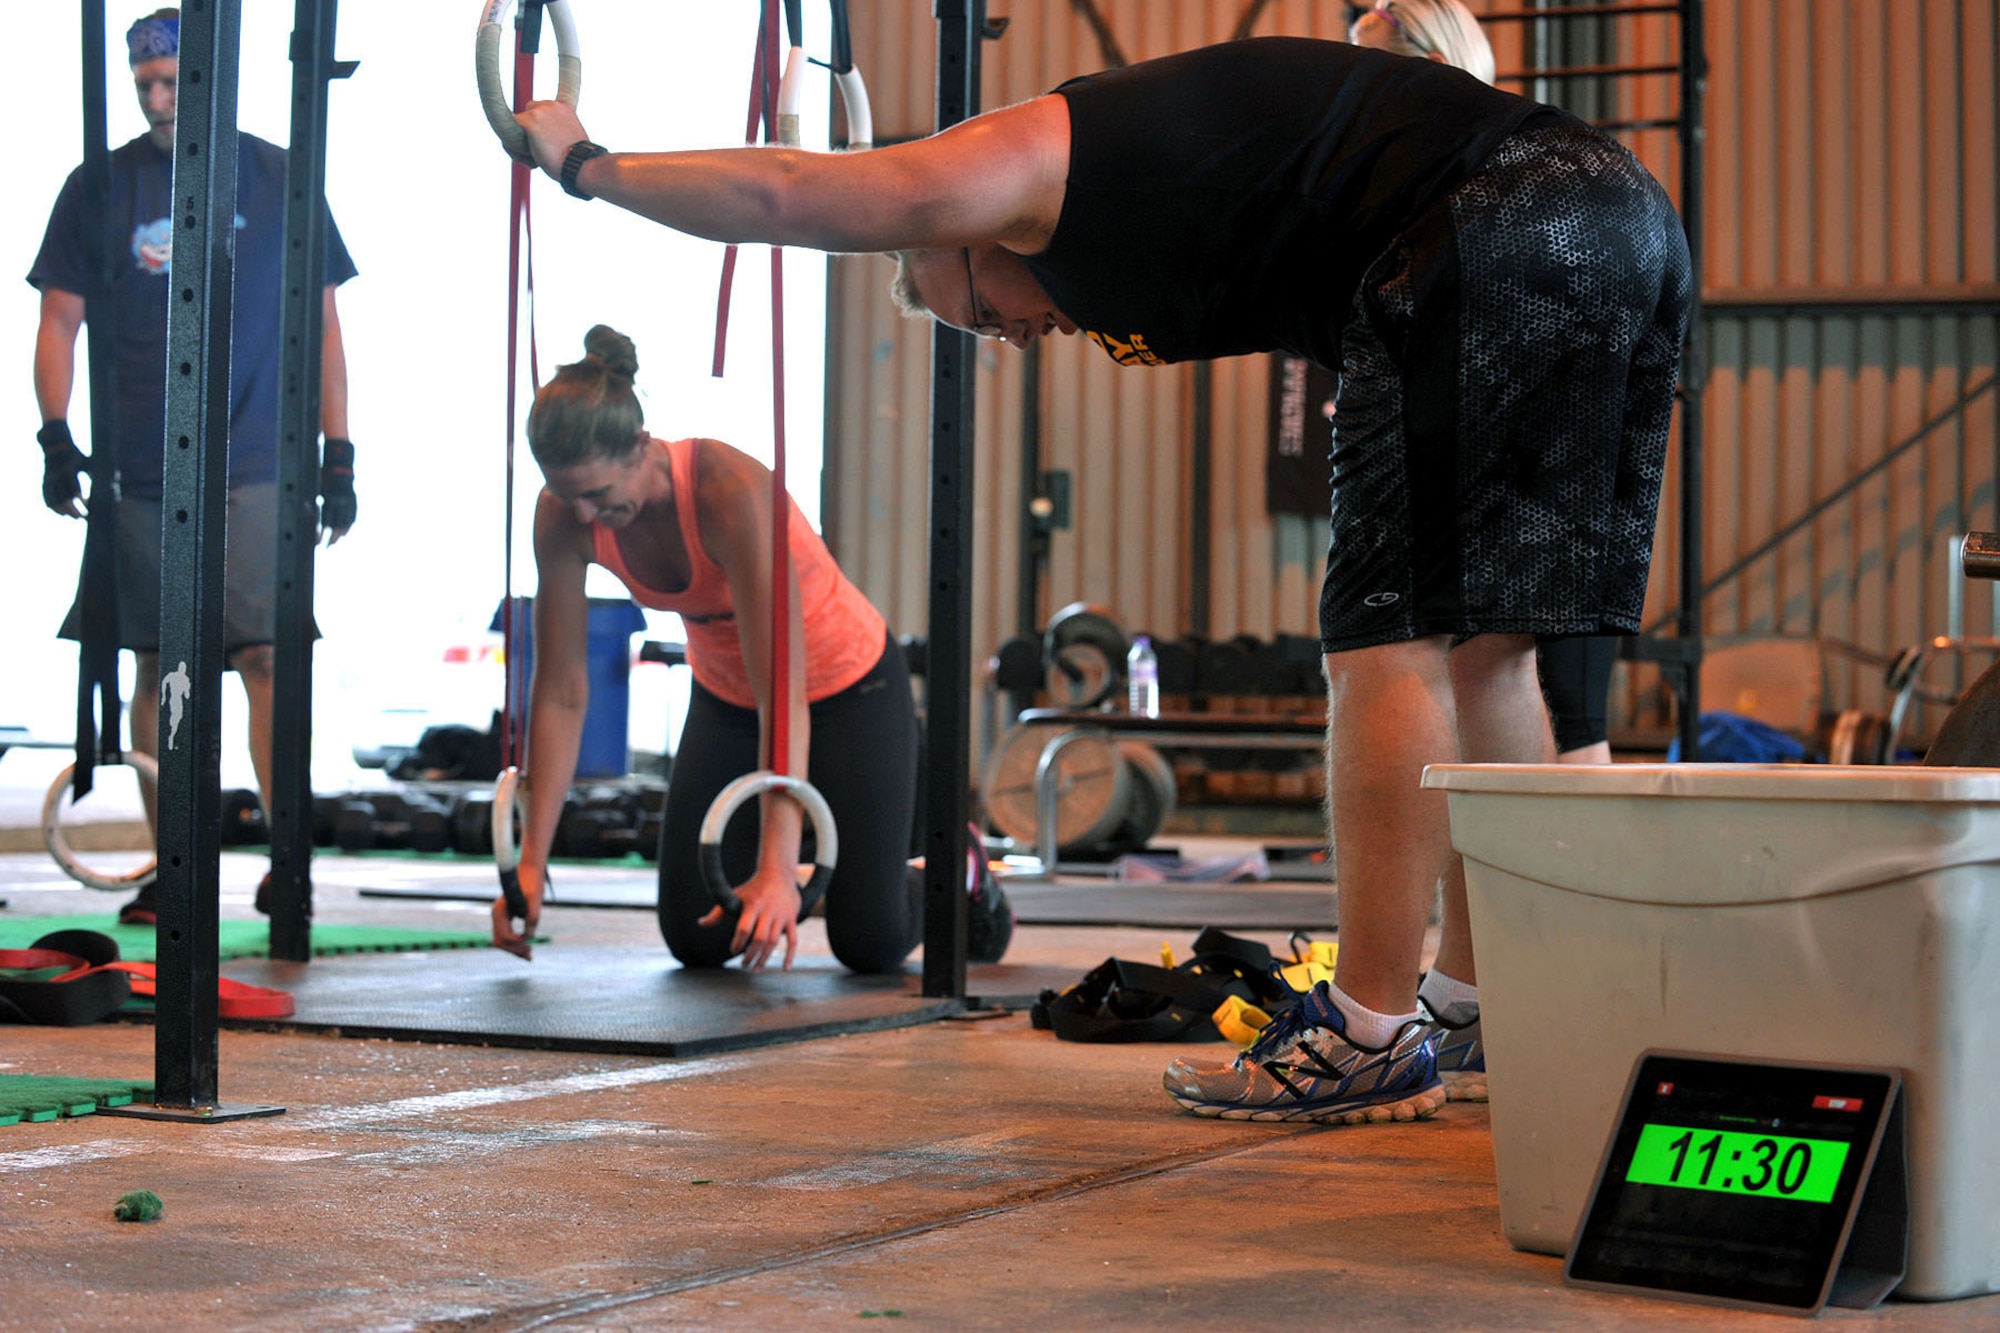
x=153 y=39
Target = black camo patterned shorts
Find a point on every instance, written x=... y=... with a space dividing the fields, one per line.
x=1506 y=387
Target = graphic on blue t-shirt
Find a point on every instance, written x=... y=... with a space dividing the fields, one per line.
x=153 y=244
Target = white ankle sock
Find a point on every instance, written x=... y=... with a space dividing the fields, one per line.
x=1365 y=1027
x=1449 y=998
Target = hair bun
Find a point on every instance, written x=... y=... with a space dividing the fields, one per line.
x=614 y=349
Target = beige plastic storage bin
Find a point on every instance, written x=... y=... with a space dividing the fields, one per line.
x=1850 y=915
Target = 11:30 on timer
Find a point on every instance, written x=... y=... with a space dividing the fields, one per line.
x=1736 y=1163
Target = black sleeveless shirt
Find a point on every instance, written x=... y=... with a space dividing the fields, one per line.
x=1228 y=199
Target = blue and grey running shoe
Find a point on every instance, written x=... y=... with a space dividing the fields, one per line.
x=1461 y=1056
x=1304 y=1068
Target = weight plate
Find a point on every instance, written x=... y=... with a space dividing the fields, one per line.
x=1085 y=651
x=1080 y=676
x=1091 y=786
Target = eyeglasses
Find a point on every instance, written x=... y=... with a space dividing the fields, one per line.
x=983 y=323
x=1387 y=9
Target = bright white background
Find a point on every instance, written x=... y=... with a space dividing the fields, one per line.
x=419 y=188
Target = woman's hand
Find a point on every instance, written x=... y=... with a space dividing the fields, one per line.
x=770 y=910
x=533 y=882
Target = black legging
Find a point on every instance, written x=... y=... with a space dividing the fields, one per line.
x=863 y=760
x=1576 y=677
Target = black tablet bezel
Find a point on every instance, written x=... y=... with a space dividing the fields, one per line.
x=1754 y=1082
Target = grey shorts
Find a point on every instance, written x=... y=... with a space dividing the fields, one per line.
x=1506 y=386
x=250 y=572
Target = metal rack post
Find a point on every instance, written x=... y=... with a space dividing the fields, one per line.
x=1679 y=657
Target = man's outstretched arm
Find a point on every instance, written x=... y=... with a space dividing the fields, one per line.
x=998 y=177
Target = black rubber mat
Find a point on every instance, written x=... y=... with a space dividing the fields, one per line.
x=632 y=1001
x=1067 y=901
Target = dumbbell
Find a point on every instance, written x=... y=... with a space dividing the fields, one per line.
x=371 y=821
x=430 y=823
x=243 y=819
x=324 y=810
x=599 y=822
x=1016 y=666
x=652 y=802
x=392 y=822
x=1177 y=673
x=472 y=824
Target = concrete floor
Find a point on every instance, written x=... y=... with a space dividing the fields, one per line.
x=962 y=1174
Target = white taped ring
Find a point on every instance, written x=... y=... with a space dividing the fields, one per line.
x=826 y=838
x=860 y=117
x=486 y=67
x=58 y=845
x=510 y=797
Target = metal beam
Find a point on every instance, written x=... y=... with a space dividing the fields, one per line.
x=1694 y=374
x=195 y=492
x=948 y=674
x=99 y=708
x=300 y=330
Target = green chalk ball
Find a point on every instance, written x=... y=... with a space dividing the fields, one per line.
x=138 y=1206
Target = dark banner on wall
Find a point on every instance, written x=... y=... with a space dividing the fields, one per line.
x=1296 y=474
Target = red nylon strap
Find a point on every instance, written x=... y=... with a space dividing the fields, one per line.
x=764 y=78
x=757 y=99
x=781 y=527
x=39 y=960
x=234 y=999
x=520 y=236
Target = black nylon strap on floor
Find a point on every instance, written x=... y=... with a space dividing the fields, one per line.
x=34 y=991
x=1123 y=1001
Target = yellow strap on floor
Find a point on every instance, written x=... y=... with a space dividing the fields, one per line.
x=1239 y=1021
x=1314 y=965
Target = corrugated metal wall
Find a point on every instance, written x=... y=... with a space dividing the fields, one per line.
x=1851 y=277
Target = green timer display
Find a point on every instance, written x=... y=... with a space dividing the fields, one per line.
x=1736 y=1163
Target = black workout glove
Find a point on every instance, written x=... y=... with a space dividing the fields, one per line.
x=63 y=466
x=336 y=489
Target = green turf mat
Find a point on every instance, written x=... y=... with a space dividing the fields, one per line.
x=36 y=1097
x=241 y=939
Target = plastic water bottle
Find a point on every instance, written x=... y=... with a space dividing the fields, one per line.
x=1142 y=678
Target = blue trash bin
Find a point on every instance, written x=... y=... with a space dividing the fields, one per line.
x=613 y=622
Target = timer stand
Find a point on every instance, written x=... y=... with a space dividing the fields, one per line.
x=1878 y=1245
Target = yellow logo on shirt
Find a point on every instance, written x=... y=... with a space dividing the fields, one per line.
x=1128 y=353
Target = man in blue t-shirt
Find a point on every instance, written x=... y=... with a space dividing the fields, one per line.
x=71 y=253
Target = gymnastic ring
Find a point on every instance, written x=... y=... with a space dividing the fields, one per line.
x=509 y=813
x=486 y=63
x=853 y=92
x=853 y=99
x=860 y=118
x=52 y=834
x=826 y=838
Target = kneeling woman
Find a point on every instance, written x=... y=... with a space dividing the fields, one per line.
x=686 y=525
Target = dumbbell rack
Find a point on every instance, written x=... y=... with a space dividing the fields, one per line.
x=601 y=819
x=1188 y=731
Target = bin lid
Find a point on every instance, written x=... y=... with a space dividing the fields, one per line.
x=1735 y=782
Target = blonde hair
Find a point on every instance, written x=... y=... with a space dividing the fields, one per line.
x=589 y=410
x=1442 y=28
x=903 y=290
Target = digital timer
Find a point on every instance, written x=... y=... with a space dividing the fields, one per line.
x=1737 y=1163
x=1767 y=1184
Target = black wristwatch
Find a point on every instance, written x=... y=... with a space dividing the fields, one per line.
x=579 y=153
